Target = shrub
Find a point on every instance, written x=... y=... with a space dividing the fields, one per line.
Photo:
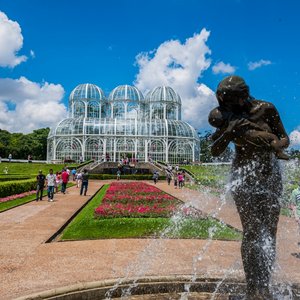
x=13 y=177
x=132 y=177
x=17 y=187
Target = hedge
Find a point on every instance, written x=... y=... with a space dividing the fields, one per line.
x=16 y=187
x=132 y=177
x=13 y=177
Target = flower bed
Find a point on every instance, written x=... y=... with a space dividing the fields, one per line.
x=18 y=196
x=136 y=199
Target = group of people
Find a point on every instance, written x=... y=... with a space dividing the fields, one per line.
x=178 y=178
x=60 y=180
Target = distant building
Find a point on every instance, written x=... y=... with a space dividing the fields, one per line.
x=126 y=124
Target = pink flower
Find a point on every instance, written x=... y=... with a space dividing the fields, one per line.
x=136 y=199
x=18 y=196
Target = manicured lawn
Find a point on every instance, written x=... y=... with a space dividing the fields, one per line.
x=30 y=169
x=86 y=226
x=213 y=176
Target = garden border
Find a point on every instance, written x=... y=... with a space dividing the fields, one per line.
x=61 y=229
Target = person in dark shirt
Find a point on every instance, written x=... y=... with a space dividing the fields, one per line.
x=85 y=181
x=40 y=178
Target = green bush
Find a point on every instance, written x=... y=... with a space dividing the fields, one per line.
x=16 y=187
x=13 y=177
x=132 y=177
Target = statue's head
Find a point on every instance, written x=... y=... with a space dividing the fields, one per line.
x=232 y=91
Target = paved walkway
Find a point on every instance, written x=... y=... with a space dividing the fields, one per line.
x=28 y=265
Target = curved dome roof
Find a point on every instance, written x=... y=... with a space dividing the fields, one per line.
x=113 y=127
x=87 y=91
x=125 y=92
x=163 y=94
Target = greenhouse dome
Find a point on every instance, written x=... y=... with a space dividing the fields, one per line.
x=162 y=103
x=87 y=100
x=124 y=102
x=125 y=125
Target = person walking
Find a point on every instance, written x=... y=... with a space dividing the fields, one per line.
x=78 y=179
x=180 y=180
x=50 y=179
x=155 y=177
x=175 y=181
x=65 y=179
x=85 y=182
x=9 y=157
x=73 y=174
x=40 y=178
x=169 y=177
x=118 y=175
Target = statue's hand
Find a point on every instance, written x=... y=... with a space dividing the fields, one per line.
x=234 y=125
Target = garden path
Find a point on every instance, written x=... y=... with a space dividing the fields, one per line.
x=29 y=265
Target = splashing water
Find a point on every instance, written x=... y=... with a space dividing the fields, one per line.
x=283 y=291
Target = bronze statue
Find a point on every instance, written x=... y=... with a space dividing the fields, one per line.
x=255 y=128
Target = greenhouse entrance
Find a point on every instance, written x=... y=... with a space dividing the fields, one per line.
x=123 y=155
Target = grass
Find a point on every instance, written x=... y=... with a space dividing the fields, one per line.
x=85 y=226
x=17 y=202
x=30 y=169
x=212 y=176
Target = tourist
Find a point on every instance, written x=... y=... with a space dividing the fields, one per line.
x=65 y=179
x=85 y=182
x=256 y=183
x=155 y=177
x=40 y=178
x=175 y=181
x=73 y=174
x=80 y=159
x=50 y=179
x=169 y=177
x=58 y=181
x=176 y=168
x=9 y=157
x=180 y=180
x=118 y=175
x=183 y=174
x=78 y=179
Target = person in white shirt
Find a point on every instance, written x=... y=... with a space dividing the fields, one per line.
x=50 y=179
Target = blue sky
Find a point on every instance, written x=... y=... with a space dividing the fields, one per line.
x=71 y=42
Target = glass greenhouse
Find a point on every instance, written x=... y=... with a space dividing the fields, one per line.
x=126 y=124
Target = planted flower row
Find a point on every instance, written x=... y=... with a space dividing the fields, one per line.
x=136 y=200
x=18 y=196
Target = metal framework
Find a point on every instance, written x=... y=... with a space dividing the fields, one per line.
x=123 y=125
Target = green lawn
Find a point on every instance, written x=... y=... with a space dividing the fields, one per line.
x=30 y=169
x=85 y=226
x=212 y=176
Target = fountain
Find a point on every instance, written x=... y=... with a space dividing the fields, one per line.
x=255 y=187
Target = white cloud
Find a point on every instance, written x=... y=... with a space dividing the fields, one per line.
x=180 y=65
x=223 y=68
x=11 y=41
x=27 y=105
x=295 y=138
x=252 y=65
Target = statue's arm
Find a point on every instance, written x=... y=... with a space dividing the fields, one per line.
x=277 y=126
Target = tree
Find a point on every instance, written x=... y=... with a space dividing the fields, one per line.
x=205 y=152
x=205 y=144
x=21 y=145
